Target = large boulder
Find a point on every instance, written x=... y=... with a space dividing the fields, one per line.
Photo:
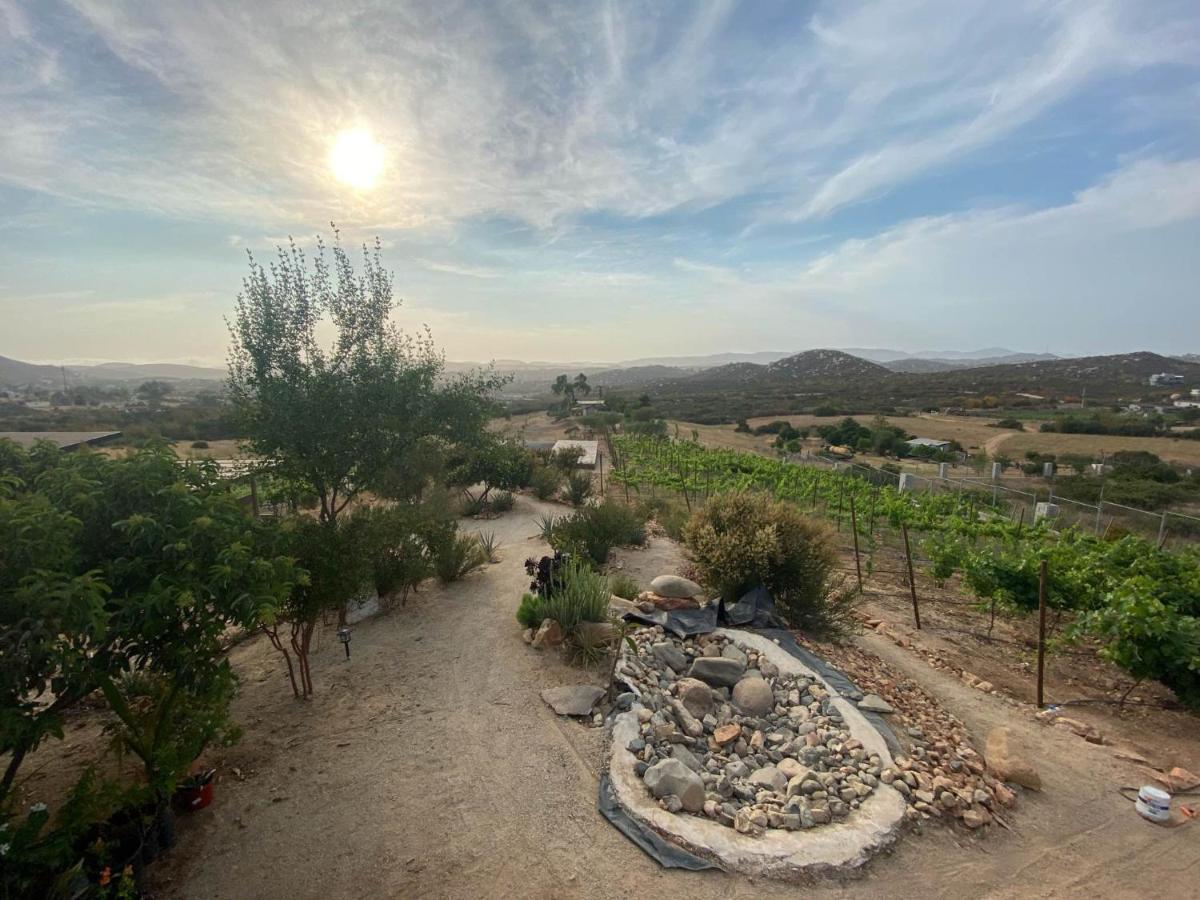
x=670 y=777
x=573 y=700
x=753 y=696
x=675 y=586
x=1005 y=761
x=695 y=695
x=717 y=671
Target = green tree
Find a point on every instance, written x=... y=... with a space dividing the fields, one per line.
x=344 y=418
x=153 y=392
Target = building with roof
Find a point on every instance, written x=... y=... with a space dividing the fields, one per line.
x=931 y=443
x=64 y=440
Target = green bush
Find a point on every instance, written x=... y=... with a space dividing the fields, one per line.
x=531 y=612
x=502 y=501
x=592 y=531
x=579 y=487
x=624 y=586
x=580 y=595
x=456 y=557
x=472 y=506
x=740 y=541
x=199 y=445
x=545 y=482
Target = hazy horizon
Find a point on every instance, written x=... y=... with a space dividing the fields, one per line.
x=606 y=182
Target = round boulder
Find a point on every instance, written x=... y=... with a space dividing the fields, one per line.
x=675 y=586
x=753 y=696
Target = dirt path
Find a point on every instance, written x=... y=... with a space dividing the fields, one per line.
x=427 y=766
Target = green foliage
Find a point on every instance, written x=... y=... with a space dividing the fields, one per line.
x=531 y=612
x=579 y=487
x=742 y=540
x=592 y=531
x=122 y=575
x=396 y=539
x=546 y=526
x=489 y=545
x=458 y=556
x=502 y=502
x=199 y=445
x=624 y=585
x=545 y=482
x=371 y=412
x=580 y=595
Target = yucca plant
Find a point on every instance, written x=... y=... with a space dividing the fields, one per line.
x=461 y=554
x=489 y=545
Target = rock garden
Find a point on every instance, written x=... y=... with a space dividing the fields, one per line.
x=724 y=734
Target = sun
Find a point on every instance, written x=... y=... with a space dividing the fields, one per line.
x=356 y=158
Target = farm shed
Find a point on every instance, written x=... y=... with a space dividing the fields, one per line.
x=929 y=442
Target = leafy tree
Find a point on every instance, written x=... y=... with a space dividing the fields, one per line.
x=153 y=392
x=344 y=418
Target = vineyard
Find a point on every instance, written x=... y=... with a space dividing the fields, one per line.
x=1140 y=603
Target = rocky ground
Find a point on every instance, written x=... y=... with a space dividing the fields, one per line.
x=726 y=735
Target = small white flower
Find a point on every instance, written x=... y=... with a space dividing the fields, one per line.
x=4 y=849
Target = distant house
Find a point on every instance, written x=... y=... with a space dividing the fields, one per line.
x=1165 y=378
x=1187 y=404
x=931 y=443
x=64 y=440
x=587 y=407
x=590 y=451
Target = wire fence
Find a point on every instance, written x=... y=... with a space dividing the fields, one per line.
x=1167 y=528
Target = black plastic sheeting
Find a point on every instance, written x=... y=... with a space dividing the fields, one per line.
x=754 y=612
x=663 y=851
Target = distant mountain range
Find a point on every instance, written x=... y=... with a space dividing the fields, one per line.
x=15 y=373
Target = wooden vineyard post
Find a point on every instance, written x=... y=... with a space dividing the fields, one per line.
x=600 y=464
x=912 y=582
x=1041 y=665
x=254 y=495
x=841 y=493
x=854 y=531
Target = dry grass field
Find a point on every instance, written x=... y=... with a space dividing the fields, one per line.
x=971 y=431
x=1176 y=450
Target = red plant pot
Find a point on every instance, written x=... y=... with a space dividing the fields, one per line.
x=194 y=798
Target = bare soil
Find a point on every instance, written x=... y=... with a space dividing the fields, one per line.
x=427 y=766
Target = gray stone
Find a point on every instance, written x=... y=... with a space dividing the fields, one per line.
x=675 y=586
x=573 y=700
x=670 y=655
x=876 y=704
x=717 y=671
x=685 y=756
x=670 y=776
x=770 y=778
x=695 y=695
x=732 y=652
x=753 y=696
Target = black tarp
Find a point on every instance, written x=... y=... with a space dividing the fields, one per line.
x=663 y=851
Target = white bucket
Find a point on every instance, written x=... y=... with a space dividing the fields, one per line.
x=1154 y=804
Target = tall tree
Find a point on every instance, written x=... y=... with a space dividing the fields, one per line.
x=340 y=418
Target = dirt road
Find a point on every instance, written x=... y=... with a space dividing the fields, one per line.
x=427 y=766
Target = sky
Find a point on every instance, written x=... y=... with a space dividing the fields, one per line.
x=605 y=181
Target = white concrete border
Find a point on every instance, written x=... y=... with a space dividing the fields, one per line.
x=782 y=854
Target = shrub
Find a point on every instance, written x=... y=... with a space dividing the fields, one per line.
x=457 y=556
x=580 y=595
x=489 y=545
x=546 y=526
x=624 y=586
x=742 y=540
x=545 y=482
x=199 y=445
x=472 y=506
x=502 y=502
x=668 y=511
x=579 y=487
x=531 y=612
x=592 y=531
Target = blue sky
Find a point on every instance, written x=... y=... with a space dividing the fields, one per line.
x=604 y=181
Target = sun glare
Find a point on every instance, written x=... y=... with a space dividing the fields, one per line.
x=356 y=158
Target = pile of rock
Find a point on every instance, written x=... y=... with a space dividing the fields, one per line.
x=671 y=592
x=940 y=774
x=724 y=734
